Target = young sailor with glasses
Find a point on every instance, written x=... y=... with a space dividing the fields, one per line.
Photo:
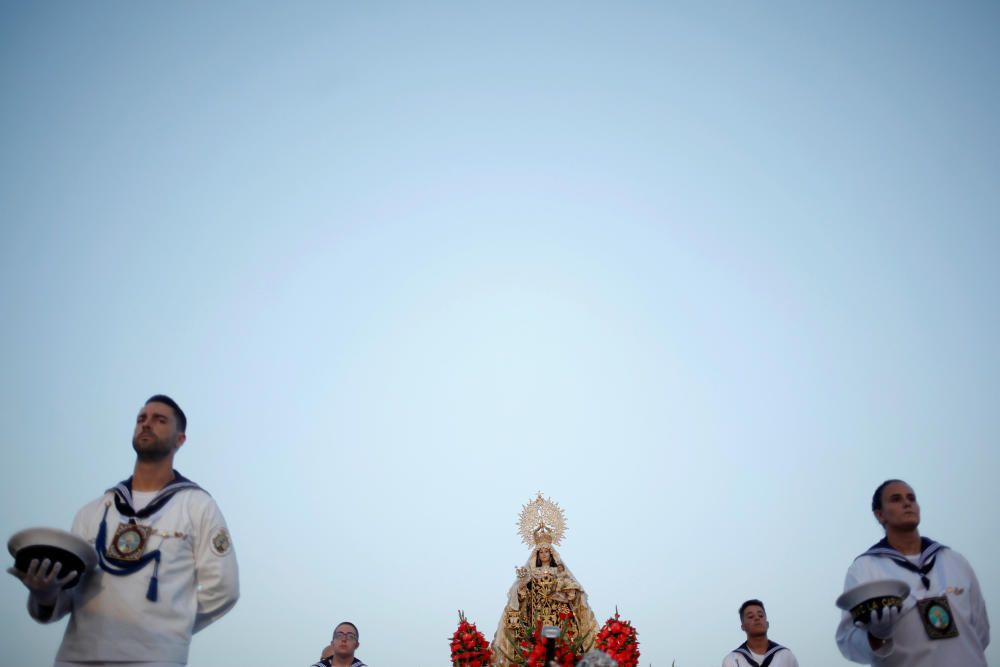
x=340 y=651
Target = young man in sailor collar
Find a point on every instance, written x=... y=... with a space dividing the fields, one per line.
x=758 y=650
x=340 y=651
x=942 y=622
x=166 y=562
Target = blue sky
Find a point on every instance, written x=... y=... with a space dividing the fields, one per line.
x=705 y=274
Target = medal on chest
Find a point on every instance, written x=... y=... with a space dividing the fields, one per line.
x=129 y=542
x=935 y=613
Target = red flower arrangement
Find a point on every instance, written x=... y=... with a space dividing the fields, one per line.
x=568 y=650
x=469 y=647
x=619 y=640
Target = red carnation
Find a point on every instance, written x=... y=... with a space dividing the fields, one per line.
x=619 y=640
x=469 y=647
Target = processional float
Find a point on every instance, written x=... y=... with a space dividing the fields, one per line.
x=547 y=615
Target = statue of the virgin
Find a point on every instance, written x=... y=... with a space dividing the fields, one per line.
x=544 y=592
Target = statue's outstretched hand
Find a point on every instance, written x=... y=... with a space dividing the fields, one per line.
x=42 y=580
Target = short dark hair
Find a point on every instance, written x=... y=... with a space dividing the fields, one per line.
x=357 y=634
x=877 y=496
x=182 y=420
x=751 y=603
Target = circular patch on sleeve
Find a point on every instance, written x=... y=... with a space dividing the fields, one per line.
x=221 y=544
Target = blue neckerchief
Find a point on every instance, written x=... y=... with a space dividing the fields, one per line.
x=928 y=556
x=772 y=648
x=123 y=503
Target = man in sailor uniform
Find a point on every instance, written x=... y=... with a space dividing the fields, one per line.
x=340 y=651
x=758 y=650
x=166 y=563
x=942 y=623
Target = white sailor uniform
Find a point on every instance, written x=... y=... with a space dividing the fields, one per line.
x=326 y=662
x=146 y=609
x=938 y=572
x=776 y=655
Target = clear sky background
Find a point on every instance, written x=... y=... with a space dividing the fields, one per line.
x=705 y=274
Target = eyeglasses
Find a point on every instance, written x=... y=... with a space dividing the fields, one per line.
x=345 y=635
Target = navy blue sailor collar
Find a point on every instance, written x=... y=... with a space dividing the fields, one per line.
x=772 y=648
x=929 y=550
x=327 y=661
x=124 y=502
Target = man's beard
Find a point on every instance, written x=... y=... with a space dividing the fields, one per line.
x=154 y=452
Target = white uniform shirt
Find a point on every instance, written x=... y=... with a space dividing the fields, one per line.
x=951 y=576
x=780 y=657
x=111 y=619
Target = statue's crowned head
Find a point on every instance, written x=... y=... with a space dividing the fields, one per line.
x=542 y=523
x=542 y=536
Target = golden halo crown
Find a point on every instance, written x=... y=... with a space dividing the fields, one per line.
x=542 y=522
